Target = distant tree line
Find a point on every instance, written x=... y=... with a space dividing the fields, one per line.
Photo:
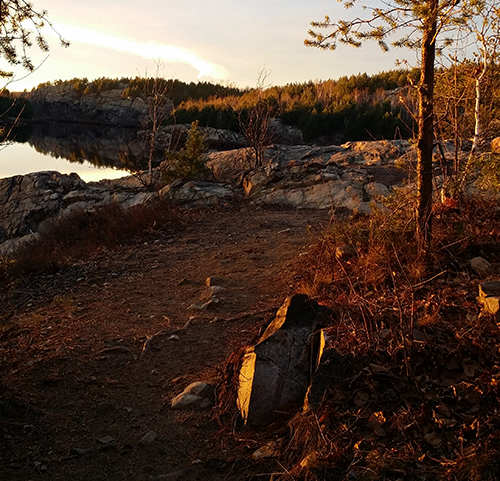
x=354 y=108
x=358 y=107
x=14 y=108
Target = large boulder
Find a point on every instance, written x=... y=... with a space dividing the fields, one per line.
x=276 y=372
x=27 y=200
x=227 y=166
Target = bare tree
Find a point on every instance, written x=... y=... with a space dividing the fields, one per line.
x=256 y=123
x=484 y=25
x=159 y=107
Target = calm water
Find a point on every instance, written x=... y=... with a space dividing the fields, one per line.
x=93 y=152
x=22 y=158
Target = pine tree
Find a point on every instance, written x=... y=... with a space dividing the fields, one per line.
x=19 y=21
x=422 y=23
x=190 y=161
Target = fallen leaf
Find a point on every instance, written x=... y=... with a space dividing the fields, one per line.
x=433 y=439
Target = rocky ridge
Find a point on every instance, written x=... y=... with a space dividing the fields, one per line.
x=352 y=176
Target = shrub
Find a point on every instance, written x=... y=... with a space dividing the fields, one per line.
x=190 y=161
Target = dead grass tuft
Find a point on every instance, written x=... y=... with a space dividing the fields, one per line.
x=80 y=234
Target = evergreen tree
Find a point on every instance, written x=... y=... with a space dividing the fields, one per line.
x=422 y=22
x=190 y=161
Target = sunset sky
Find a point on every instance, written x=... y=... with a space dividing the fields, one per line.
x=227 y=41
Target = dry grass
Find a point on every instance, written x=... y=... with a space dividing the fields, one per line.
x=81 y=234
x=417 y=393
x=418 y=396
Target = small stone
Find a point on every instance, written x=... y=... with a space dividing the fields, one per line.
x=267 y=451
x=80 y=451
x=210 y=304
x=213 y=281
x=489 y=289
x=211 y=292
x=106 y=439
x=105 y=408
x=148 y=438
x=196 y=306
x=174 y=337
x=480 y=266
x=192 y=396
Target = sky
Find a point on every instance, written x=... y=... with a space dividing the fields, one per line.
x=222 y=41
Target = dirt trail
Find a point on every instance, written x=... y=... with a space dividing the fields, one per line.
x=76 y=396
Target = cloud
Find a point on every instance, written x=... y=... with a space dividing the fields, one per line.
x=150 y=50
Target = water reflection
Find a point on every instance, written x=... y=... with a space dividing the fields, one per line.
x=89 y=146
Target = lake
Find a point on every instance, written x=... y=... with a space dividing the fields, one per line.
x=22 y=158
x=93 y=152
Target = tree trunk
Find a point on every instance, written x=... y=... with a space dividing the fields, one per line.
x=477 y=105
x=426 y=128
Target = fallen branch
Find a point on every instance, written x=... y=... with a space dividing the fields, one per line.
x=170 y=332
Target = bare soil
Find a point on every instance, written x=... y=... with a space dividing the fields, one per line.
x=77 y=396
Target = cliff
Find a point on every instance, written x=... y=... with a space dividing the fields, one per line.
x=110 y=107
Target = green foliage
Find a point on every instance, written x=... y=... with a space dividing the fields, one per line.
x=189 y=162
x=489 y=168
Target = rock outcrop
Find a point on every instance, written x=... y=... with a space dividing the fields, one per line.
x=354 y=176
x=64 y=103
x=351 y=176
x=26 y=201
x=193 y=194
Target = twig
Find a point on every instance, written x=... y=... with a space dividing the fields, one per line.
x=165 y=332
x=148 y=342
x=429 y=280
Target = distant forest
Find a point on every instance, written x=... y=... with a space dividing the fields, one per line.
x=359 y=107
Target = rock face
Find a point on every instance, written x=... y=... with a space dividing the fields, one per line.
x=26 y=201
x=63 y=103
x=351 y=176
x=197 y=193
x=276 y=372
